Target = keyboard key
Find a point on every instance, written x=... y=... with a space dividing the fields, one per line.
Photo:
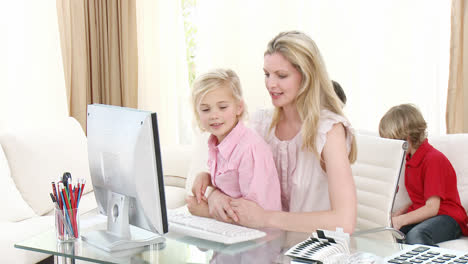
x=420 y=249
x=444 y=258
x=422 y=258
x=395 y=261
x=401 y=258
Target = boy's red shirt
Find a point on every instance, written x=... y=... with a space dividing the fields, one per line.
x=429 y=173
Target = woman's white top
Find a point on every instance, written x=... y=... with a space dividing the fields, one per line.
x=304 y=184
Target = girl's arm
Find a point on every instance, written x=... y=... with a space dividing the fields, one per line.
x=430 y=209
x=201 y=182
x=341 y=188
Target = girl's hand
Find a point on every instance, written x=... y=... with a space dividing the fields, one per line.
x=196 y=208
x=219 y=207
x=250 y=213
x=201 y=182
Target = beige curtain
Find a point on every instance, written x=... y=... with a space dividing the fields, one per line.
x=100 y=56
x=457 y=95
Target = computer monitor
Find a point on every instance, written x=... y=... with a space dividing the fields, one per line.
x=126 y=172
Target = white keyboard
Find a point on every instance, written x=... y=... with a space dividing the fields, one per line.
x=209 y=229
x=419 y=254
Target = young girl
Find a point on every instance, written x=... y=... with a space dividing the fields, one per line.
x=240 y=162
x=435 y=213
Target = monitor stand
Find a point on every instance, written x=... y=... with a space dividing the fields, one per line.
x=120 y=234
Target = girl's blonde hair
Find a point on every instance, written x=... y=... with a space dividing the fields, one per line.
x=316 y=91
x=215 y=79
x=404 y=122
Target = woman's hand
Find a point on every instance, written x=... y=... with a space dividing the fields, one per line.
x=250 y=213
x=219 y=207
x=201 y=182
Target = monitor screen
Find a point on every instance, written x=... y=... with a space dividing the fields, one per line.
x=126 y=172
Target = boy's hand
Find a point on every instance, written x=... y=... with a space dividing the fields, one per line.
x=202 y=181
x=397 y=222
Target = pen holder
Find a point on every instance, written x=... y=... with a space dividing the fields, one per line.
x=67 y=224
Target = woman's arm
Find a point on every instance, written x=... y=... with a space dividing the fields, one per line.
x=341 y=189
x=430 y=209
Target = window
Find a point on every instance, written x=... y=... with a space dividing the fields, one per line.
x=383 y=53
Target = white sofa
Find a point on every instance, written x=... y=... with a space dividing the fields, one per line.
x=32 y=156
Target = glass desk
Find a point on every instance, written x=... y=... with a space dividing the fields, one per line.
x=183 y=249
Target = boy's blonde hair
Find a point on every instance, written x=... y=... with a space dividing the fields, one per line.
x=404 y=122
x=316 y=91
x=215 y=79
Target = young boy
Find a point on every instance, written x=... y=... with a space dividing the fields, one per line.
x=240 y=161
x=435 y=213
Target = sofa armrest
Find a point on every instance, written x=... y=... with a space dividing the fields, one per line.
x=175 y=181
x=176 y=161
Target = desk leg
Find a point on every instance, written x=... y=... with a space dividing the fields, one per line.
x=63 y=260
x=68 y=249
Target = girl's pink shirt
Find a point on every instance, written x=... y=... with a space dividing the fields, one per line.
x=242 y=165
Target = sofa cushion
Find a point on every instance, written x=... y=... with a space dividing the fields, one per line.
x=16 y=232
x=13 y=207
x=456 y=244
x=40 y=154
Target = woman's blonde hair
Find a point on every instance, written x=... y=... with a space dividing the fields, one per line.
x=215 y=79
x=316 y=91
x=404 y=122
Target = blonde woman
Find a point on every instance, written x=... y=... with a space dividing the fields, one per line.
x=435 y=213
x=312 y=143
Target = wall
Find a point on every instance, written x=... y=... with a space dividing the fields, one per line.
x=32 y=85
